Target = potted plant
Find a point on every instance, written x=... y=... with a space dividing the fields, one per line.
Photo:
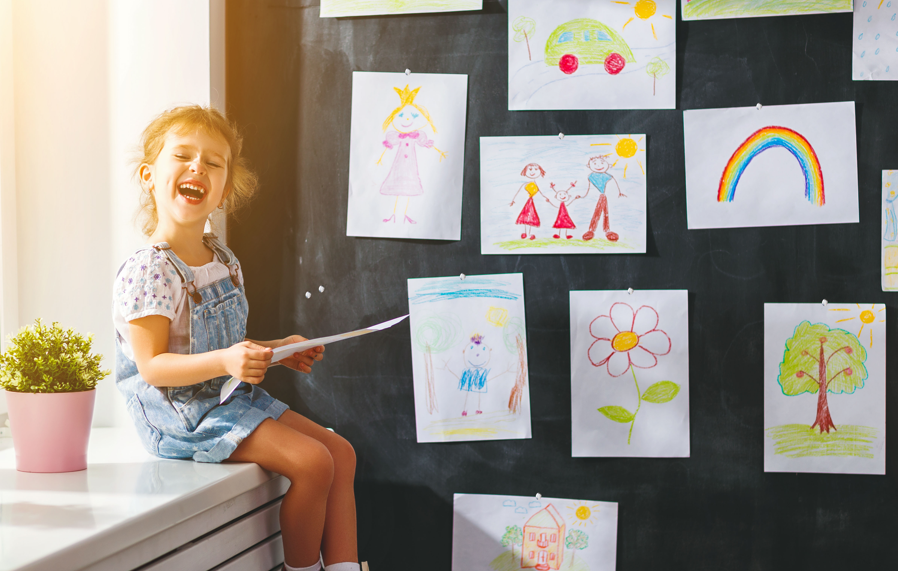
x=50 y=379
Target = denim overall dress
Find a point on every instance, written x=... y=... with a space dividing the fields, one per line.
x=189 y=422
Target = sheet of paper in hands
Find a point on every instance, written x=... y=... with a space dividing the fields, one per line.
x=283 y=352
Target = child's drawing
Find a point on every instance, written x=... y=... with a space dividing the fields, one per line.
x=342 y=8
x=405 y=173
x=469 y=358
x=771 y=166
x=875 y=32
x=586 y=54
x=829 y=359
x=579 y=182
x=717 y=9
x=629 y=373
x=889 y=231
x=510 y=533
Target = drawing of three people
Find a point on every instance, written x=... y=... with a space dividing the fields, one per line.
x=598 y=178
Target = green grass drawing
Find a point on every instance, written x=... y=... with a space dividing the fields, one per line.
x=505 y=562
x=369 y=7
x=800 y=440
x=597 y=243
x=737 y=8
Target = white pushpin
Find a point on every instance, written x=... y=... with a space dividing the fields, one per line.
x=308 y=294
x=824 y=303
x=462 y=277
x=408 y=71
x=321 y=289
x=758 y=106
x=561 y=135
x=630 y=291
x=538 y=496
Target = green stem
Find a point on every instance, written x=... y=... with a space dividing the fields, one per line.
x=639 y=396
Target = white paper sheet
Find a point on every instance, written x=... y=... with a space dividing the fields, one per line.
x=341 y=8
x=286 y=350
x=889 y=254
x=875 y=45
x=469 y=358
x=493 y=533
x=583 y=54
x=406 y=156
x=509 y=165
x=852 y=337
x=717 y=9
x=630 y=373
x=798 y=165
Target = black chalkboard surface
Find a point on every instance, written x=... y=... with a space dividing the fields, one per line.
x=289 y=86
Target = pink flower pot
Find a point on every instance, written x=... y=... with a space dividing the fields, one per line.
x=50 y=430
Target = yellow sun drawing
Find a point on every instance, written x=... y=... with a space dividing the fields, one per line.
x=644 y=10
x=497 y=316
x=866 y=317
x=625 y=148
x=583 y=514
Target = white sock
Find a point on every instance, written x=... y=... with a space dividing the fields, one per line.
x=315 y=567
x=343 y=567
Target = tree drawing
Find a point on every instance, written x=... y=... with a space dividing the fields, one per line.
x=822 y=360
x=524 y=28
x=657 y=68
x=575 y=540
x=513 y=336
x=514 y=535
x=435 y=334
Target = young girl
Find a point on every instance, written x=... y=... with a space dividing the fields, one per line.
x=528 y=218
x=180 y=318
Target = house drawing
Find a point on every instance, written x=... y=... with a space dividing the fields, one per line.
x=543 y=540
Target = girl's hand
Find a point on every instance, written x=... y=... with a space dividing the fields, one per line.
x=512 y=203
x=303 y=361
x=247 y=361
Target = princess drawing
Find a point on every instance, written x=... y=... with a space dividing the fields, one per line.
x=407 y=122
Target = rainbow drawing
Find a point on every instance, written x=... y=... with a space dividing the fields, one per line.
x=760 y=141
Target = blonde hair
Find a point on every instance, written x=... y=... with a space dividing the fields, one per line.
x=241 y=183
x=407 y=98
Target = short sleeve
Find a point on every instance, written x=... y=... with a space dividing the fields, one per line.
x=147 y=285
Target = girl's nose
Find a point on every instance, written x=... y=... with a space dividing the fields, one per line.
x=196 y=166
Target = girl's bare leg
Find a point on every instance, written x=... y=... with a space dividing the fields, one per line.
x=339 y=543
x=310 y=467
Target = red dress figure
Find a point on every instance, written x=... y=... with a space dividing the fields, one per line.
x=529 y=218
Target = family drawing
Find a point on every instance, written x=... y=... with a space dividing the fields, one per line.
x=408 y=121
x=598 y=178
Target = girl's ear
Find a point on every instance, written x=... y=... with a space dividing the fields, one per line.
x=145 y=173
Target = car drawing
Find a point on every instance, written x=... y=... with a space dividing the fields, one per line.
x=584 y=42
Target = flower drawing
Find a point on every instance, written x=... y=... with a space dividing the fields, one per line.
x=626 y=338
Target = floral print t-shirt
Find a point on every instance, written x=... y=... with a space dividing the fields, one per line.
x=148 y=284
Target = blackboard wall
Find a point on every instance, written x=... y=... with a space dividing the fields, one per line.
x=289 y=87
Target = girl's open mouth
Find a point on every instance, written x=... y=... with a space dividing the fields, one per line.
x=193 y=193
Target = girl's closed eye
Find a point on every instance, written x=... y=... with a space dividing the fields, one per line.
x=415 y=115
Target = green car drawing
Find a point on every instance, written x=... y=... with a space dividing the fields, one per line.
x=586 y=41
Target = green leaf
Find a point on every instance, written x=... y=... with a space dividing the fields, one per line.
x=662 y=392
x=617 y=414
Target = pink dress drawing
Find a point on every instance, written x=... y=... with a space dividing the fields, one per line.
x=564 y=219
x=403 y=178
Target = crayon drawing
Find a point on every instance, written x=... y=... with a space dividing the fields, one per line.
x=629 y=373
x=824 y=388
x=406 y=155
x=591 y=54
x=875 y=33
x=889 y=231
x=582 y=194
x=469 y=358
x=771 y=166
x=717 y=9
x=342 y=8
x=510 y=533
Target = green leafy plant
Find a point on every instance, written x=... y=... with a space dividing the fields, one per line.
x=43 y=359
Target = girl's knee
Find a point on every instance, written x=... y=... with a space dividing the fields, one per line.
x=344 y=456
x=313 y=466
